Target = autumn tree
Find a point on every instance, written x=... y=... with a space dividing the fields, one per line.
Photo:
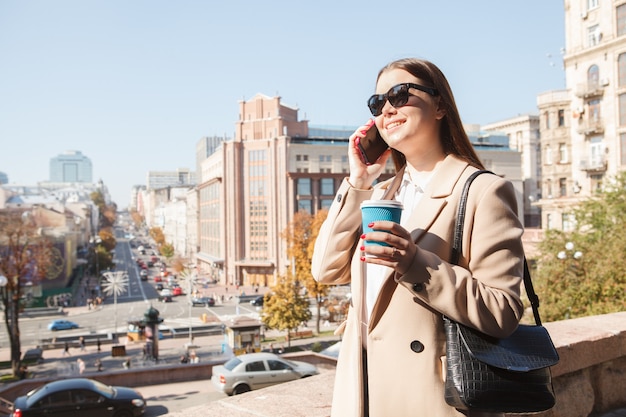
x=286 y=308
x=300 y=236
x=582 y=272
x=24 y=258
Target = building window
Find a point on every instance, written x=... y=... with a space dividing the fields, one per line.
x=568 y=222
x=344 y=159
x=621 y=70
x=621 y=20
x=593 y=76
x=622 y=109
x=561 y=118
x=327 y=186
x=592 y=4
x=548 y=155
x=305 y=205
x=325 y=158
x=549 y=188
x=594 y=110
x=562 y=187
x=596 y=152
x=593 y=35
x=304 y=186
x=326 y=203
x=562 y=153
x=622 y=148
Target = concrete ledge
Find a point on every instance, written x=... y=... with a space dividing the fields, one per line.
x=589 y=379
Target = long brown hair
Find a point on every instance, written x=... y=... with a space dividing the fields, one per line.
x=452 y=135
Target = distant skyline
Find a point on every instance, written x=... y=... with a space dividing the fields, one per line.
x=134 y=85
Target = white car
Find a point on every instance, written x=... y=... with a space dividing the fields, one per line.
x=258 y=370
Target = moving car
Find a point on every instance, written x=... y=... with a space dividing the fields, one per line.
x=55 y=325
x=176 y=290
x=165 y=295
x=258 y=370
x=79 y=396
x=203 y=301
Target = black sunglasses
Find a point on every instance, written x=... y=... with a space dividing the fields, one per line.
x=398 y=96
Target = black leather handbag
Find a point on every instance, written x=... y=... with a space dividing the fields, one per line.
x=510 y=375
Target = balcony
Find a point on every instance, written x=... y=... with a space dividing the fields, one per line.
x=590 y=127
x=589 y=90
x=593 y=165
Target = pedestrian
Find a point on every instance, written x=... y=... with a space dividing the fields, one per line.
x=81 y=365
x=404 y=284
x=98 y=365
x=98 y=344
x=81 y=341
x=66 y=349
x=126 y=364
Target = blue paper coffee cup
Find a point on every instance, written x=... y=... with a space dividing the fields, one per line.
x=377 y=210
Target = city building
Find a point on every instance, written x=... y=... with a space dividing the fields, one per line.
x=523 y=136
x=71 y=166
x=4 y=178
x=583 y=128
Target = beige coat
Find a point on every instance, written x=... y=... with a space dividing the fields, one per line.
x=405 y=337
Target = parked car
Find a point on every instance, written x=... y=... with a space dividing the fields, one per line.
x=203 y=301
x=158 y=286
x=258 y=301
x=55 y=325
x=176 y=291
x=79 y=396
x=253 y=371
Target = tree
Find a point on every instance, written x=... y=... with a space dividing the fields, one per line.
x=24 y=258
x=300 y=236
x=286 y=308
x=582 y=273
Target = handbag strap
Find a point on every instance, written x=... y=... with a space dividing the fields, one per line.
x=457 y=246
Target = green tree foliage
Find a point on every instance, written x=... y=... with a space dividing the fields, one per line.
x=589 y=277
x=286 y=308
x=300 y=236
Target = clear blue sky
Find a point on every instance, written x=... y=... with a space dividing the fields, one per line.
x=134 y=85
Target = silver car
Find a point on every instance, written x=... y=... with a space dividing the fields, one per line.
x=258 y=370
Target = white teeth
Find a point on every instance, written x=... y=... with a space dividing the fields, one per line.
x=394 y=124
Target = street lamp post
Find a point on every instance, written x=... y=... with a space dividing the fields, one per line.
x=117 y=282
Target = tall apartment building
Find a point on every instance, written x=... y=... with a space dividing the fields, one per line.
x=523 y=136
x=251 y=186
x=162 y=179
x=583 y=128
x=71 y=166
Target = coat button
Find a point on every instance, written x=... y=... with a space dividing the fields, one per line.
x=339 y=196
x=417 y=346
x=418 y=286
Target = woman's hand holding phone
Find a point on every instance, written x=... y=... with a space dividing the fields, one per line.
x=368 y=155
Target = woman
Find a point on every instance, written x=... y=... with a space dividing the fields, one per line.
x=392 y=359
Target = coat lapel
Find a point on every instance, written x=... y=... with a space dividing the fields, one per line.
x=435 y=198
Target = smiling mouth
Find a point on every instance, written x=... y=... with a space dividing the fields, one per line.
x=394 y=124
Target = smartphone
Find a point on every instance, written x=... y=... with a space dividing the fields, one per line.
x=371 y=146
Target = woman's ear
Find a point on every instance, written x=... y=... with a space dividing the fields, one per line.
x=440 y=110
